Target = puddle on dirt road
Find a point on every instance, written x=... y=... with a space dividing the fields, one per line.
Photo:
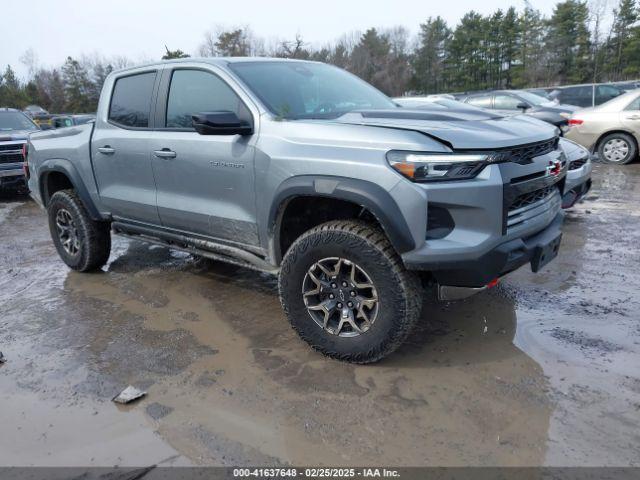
x=541 y=370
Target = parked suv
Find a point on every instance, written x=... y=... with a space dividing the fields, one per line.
x=303 y=170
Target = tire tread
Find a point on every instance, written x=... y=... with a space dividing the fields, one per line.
x=376 y=244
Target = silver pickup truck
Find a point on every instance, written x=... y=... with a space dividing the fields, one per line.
x=301 y=169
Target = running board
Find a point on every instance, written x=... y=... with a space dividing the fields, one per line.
x=196 y=246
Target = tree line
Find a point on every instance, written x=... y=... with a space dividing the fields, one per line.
x=507 y=49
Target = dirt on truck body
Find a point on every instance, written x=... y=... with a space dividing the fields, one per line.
x=541 y=370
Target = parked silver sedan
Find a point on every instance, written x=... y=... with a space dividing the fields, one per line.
x=612 y=130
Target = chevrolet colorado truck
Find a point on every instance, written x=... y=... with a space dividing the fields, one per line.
x=301 y=169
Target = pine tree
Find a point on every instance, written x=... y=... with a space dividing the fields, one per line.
x=622 y=35
x=430 y=57
x=568 y=42
x=171 y=54
x=77 y=87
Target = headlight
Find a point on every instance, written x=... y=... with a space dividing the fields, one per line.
x=426 y=167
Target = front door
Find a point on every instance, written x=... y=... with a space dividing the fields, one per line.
x=205 y=183
x=120 y=151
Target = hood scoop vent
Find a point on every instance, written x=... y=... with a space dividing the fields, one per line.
x=448 y=115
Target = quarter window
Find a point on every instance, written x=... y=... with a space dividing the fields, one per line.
x=635 y=105
x=194 y=91
x=131 y=100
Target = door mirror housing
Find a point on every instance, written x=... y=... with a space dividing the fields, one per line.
x=220 y=123
x=522 y=106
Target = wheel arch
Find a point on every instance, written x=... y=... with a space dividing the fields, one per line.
x=59 y=174
x=368 y=196
x=596 y=145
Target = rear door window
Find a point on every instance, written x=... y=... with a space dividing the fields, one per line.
x=579 y=96
x=483 y=101
x=506 y=102
x=131 y=100
x=194 y=91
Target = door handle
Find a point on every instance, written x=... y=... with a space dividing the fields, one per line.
x=164 y=153
x=107 y=150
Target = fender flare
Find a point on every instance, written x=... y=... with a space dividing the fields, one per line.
x=69 y=170
x=368 y=195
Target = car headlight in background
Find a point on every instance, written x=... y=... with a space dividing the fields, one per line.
x=426 y=167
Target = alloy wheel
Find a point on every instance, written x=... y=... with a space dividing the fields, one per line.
x=340 y=297
x=67 y=232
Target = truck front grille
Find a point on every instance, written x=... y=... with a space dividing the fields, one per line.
x=11 y=153
x=531 y=204
x=525 y=153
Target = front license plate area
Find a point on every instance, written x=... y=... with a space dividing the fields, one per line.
x=545 y=253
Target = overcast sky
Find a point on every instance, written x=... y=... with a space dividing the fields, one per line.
x=139 y=29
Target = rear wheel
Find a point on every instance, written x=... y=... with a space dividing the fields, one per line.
x=346 y=292
x=82 y=243
x=617 y=148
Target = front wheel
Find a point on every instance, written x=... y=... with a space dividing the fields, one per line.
x=617 y=148
x=346 y=292
x=83 y=243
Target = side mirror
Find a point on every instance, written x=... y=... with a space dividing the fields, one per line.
x=522 y=106
x=220 y=123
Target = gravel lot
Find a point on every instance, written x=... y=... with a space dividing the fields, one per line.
x=542 y=370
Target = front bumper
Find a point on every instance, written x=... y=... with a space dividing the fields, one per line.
x=577 y=185
x=571 y=197
x=11 y=171
x=537 y=250
x=12 y=177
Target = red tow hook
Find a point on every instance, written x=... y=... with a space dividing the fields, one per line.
x=493 y=283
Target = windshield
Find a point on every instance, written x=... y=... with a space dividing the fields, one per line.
x=295 y=90
x=15 y=121
x=532 y=98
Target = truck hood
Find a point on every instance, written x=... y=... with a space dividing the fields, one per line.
x=458 y=129
x=15 y=135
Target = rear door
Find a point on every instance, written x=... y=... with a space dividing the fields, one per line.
x=205 y=183
x=120 y=148
x=630 y=117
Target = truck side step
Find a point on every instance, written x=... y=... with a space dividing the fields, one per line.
x=195 y=246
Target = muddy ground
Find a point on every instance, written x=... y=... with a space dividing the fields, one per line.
x=542 y=370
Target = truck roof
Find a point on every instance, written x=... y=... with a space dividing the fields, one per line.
x=221 y=61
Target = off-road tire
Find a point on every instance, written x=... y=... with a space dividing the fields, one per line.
x=626 y=138
x=399 y=291
x=94 y=238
